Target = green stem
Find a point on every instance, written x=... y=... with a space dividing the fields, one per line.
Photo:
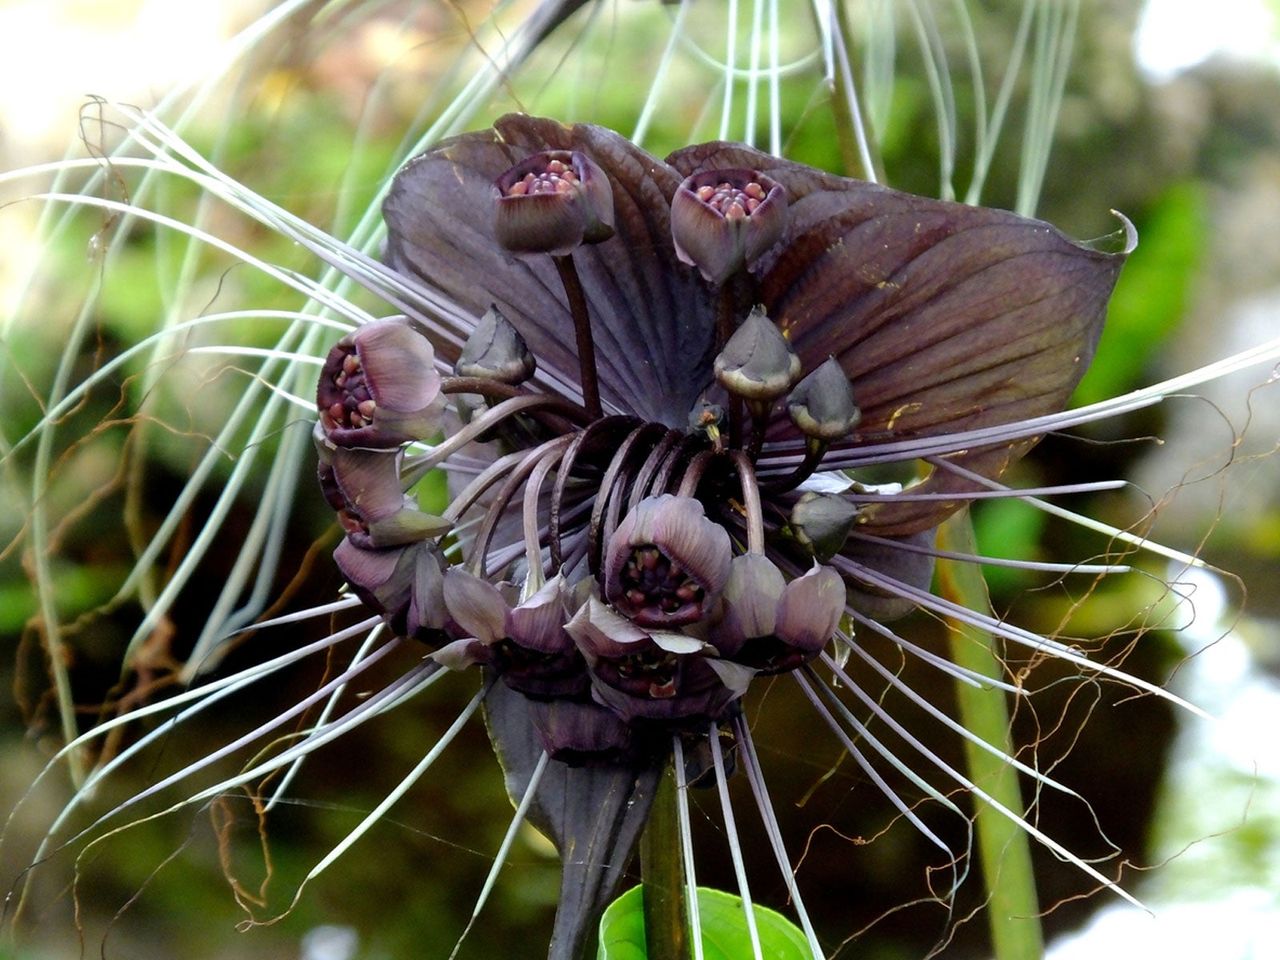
x=665 y=916
x=1013 y=910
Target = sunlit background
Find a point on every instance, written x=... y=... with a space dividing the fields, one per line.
x=1178 y=124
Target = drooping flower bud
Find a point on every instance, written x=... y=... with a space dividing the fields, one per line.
x=379 y=387
x=526 y=643
x=757 y=363
x=805 y=616
x=402 y=584
x=496 y=351
x=822 y=521
x=723 y=220
x=375 y=511
x=666 y=562
x=750 y=598
x=551 y=203
x=822 y=404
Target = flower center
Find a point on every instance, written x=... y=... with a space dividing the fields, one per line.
x=355 y=407
x=651 y=674
x=558 y=177
x=730 y=201
x=652 y=579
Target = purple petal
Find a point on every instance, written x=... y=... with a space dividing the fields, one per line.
x=475 y=605
x=750 y=601
x=810 y=609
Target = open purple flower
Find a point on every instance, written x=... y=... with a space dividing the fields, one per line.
x=648 y=491
x=379 y=387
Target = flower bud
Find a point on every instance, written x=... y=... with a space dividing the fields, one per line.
x=402 y=584
x=723 y=220
x=806 y=616
x=822 y=405
x=496 y=351
x=666 y=562
x=375 y=511
x=757 y=363
x=551 y=203
x=379 y=387
x=822 y=521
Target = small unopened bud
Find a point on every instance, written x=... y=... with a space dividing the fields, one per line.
x=723 y=220
x=553 y=202
x=822 y=405
x=757 y=363
x=822 y=521
x=496 y=351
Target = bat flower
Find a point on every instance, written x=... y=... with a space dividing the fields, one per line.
x=683 y=365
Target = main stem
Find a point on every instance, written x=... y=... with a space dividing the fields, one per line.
x=582 y=330
x=1013 y=909
x=666 y=928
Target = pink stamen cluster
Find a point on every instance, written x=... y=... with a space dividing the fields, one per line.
x=357 y=406
x=558 y=177
x=731 y=202
x=651 y=579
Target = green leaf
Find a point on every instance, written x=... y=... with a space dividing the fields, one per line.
x=724 y=929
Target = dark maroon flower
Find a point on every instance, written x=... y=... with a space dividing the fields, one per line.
x=772 y=625
x=552 y=202
x=374 y=510
x=525 y=642
x=379 y=387
x=652 y=674
x=724 y=220
x=666 y=562
x=626 y=472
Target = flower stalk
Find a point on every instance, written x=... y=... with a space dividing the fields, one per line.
x=1013 y=910
x=582 y=330
x=666 y=929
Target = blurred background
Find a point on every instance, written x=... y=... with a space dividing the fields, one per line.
x=1168 y=114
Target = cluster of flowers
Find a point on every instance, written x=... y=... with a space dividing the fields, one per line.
x=685 y=546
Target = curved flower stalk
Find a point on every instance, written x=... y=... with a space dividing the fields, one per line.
x=956 y=333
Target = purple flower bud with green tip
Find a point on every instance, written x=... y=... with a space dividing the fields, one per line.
x=375 y=511
x=771 y=630
x=822 y=405
x=757 y=363
x=551 y=203
x=666 y=562
x=821 y=522
x=649 y=674
x=402 y=584
x=496 y=351
x=525 y=643
x=379 y=387
x=723 y=220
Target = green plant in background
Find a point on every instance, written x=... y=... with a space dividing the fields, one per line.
x=215 y=408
